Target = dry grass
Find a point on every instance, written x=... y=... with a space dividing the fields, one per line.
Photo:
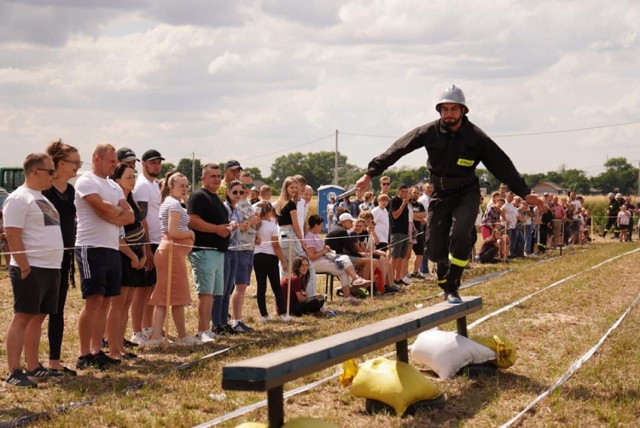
x=550 y=330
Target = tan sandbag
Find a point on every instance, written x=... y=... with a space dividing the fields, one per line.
x=308 y=423
x=504 y=349
x=394 y=383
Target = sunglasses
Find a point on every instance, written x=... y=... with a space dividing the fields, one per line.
x=78 y=163
x=236 y=192
x=49 y=171
x=385 y=184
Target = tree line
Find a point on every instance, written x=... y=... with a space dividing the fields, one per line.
x=318 y=168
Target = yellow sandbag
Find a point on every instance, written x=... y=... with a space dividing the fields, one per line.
x=394 y=383
x=308 y=423
x=252 y=425
x=349 y=371
x=505 y=350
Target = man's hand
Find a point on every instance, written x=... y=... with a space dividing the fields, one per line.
x=538 y=201
x=364 y=183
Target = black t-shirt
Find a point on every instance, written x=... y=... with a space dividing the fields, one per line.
x=134 y=232
x=338 y=240
x=67 y=210
x=284 y=218
x=417 y=207
x=400 y=224
x=209 y=208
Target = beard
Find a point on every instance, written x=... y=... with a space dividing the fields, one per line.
x=450 y=122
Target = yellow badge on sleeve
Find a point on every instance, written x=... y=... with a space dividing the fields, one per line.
x=465 y=162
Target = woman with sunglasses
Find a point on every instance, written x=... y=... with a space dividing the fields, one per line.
x=133 y=263
x=174 y=222
x=66 y=160
x=235 y=192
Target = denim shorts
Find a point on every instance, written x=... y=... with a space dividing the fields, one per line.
x=244 y=268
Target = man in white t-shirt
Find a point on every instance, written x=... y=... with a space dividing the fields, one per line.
x=32 y=228
x=424 y=199
x=511 y=219
x=101 y=210
x=146 y=193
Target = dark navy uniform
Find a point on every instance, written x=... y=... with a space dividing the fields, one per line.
x=452 y=160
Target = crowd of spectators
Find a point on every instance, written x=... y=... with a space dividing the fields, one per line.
x=131 y=236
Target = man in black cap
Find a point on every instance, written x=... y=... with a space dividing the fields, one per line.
x=232 y=170
x=127 y=157
x=146 y=193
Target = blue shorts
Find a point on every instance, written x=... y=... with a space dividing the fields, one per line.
x=100 y=271
x=207 y=267
x=244 y=268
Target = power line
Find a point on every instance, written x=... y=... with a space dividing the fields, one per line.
x=288 y=148
x=521 y=134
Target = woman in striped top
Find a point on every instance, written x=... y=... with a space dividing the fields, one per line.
x=175 y=232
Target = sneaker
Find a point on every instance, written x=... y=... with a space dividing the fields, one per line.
x=265 y=319
x=241 y=327
x=453 y=298
x=84 y=362
x=153 y=343
x=18 y=378
x=188 y=341
x=129 y=344
x=360 y=281
x=206 y=336
x=102 y=361
x=225 y=330
x=398 y=283
x=129 y=356
x=352 y=301
x=41 y=372
x=391 y=289
x=148 y=331
x=65 y=371
x=139 y=338
x=425 y=275
x=407 y=280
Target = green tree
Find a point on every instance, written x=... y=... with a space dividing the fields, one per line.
x=256 y=174
x=576 y=180
x=166 y=167
x=620 y=176
x=185 y=166
x=317 y=168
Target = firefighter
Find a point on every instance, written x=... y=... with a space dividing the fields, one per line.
x=612 y=216
x=454 y=146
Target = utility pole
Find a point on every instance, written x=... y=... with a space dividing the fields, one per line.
x=335 y=163
x=193 y=170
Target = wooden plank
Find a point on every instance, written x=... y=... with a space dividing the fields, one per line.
x=274 y=369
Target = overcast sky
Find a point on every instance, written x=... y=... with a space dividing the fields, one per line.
x=254 y=79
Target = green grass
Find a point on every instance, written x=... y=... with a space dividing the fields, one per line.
x=550 y=331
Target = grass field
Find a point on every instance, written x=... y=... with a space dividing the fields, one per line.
x=551 y=331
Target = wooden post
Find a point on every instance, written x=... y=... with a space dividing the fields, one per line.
x=165 y=342
x=275 y=403
x=461 y=323
x=402 y=351
x=290 y=269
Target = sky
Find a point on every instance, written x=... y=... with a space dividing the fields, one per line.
x=554 y=83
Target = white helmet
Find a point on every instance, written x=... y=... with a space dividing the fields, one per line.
x=618 y=195
x=453 y=94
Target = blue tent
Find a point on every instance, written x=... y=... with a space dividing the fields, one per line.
x=324 y=193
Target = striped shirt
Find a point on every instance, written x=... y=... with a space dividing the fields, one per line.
x=170 y=205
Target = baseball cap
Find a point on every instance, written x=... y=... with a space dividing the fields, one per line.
x=125 y=154
x=346 y=216
x=232 y=164
x=151 y=154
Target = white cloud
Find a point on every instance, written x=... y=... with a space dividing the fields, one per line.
x=228 y=79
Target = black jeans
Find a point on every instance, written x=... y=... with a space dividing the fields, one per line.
x=266 y=266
